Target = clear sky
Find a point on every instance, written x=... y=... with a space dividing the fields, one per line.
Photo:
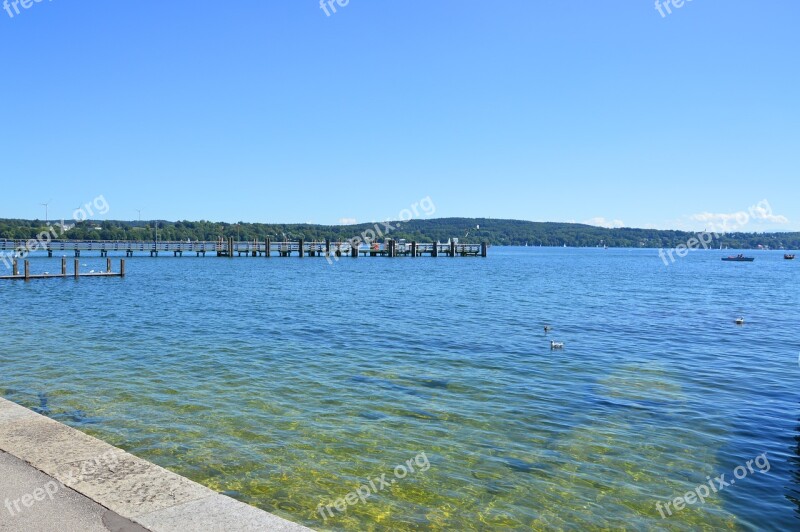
x=273 y=111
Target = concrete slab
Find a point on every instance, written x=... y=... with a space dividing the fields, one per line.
x=129 y=485
x=11 y=411
x=60 y=508
x=45 y=443
x=216 y=514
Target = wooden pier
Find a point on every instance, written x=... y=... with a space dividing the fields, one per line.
x=254 y=248
x=28 y=276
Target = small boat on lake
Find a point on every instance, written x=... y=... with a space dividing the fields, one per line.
x=788 y=257
x=738 y=258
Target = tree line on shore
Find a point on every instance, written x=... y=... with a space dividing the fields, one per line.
x=468 y=230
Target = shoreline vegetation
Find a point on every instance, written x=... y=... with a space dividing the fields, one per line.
x=498 y=232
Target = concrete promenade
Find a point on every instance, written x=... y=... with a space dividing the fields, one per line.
x=55 y=478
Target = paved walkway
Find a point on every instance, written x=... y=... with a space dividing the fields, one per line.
x=58 y=508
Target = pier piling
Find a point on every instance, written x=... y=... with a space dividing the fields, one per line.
x=28 y=276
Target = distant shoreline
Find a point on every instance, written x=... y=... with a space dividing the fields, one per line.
x=498 y=232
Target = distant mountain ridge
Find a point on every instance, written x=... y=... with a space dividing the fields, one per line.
x=497 y=232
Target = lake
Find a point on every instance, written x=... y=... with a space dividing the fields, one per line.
x=430 y=386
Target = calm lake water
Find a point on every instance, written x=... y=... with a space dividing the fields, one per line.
x=290 y=383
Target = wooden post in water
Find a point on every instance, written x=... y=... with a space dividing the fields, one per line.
x=122 y=267
x=230 y=247
x=354 y=244
x=27 y=270
x=452 y=248
x=64 y=266
x=108 y=265
x=392 y=248
x=268 y=249
x=15 y=267
x=435 y=252
x=300 y=247
x=327 y=247
x=484 y=249
x=77 y=268
x=413 y=248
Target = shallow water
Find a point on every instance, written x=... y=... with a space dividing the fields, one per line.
x=290 y=383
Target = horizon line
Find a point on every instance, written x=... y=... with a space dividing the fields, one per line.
x=32 y=220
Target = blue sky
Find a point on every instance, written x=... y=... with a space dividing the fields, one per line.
x=271 y=111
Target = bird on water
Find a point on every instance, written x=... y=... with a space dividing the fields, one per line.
x=556 y=345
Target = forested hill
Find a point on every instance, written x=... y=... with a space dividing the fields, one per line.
x=468 y=230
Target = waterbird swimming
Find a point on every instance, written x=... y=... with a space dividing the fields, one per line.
x=547 y=328
x=556 y=345
x=739 y=321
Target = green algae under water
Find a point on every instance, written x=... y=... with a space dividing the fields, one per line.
x=294 y=384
